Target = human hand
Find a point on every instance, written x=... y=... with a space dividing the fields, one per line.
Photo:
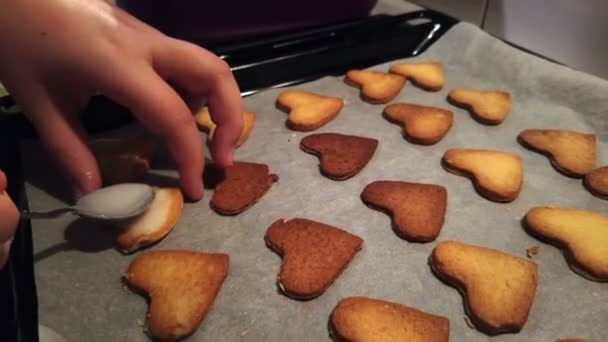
x=56 y=54
x=9 y=218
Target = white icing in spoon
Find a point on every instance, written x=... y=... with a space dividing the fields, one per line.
x=116 y=202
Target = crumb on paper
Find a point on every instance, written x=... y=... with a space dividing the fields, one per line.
x=244 y=333
x=469 y=323
x=532 y=251
x=140 y=322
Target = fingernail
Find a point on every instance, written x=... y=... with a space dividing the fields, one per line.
x=197 y=191
x=229 y=158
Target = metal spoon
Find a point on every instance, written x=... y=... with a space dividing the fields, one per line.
x=116 y=202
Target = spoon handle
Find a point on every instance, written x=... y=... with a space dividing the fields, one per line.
x=45 y=215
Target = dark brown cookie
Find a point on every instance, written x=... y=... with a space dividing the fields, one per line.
x=342 y=156
x=314 y=255
x=418 y=210
x=241 y=186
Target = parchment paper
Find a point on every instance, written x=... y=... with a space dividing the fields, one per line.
x=78 y=270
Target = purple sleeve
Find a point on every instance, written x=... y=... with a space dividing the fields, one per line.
x=210 y=21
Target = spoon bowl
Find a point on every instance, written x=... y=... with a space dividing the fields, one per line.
x=116 y=202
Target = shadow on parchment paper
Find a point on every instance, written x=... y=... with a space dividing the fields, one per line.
x=83 y=235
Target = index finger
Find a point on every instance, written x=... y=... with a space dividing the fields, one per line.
x=198 y=71
x=160 y=109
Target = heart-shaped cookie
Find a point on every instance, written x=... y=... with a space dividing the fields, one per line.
x=376 y=86
x=240 y=186
x=417 y=210
x=314 y=255
x=497 y=176
x=498 y=288
x=182 y=287
x=428 y=76
x=370 y=319
x=342 y=156
x=155 y=223
x=206 y=124
x=581 y=234
x=571 y=152
x=308 y=111
x=422 y=125
x=596 y=181
x=488 y=107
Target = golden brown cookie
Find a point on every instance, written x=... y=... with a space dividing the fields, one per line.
x=154 y=224
x=314 y=255
x=376 y=87
x=342 y=156
x=421 y=124
x=417 y=209
x=369 y=319
x=204 y=122
x=596 y=181
x=123 y=160
x=581 y=234
x=428 y=76
x=182 y=287
x=498 y=288
x=240 y=187
x=308 y=111
x=488 y=107
x=570 y=152
x=497 y=176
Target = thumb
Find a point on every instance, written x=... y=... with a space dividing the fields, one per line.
x=9 y=215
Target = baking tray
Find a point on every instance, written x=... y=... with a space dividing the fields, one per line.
x=78 y=269
x=267 y=62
